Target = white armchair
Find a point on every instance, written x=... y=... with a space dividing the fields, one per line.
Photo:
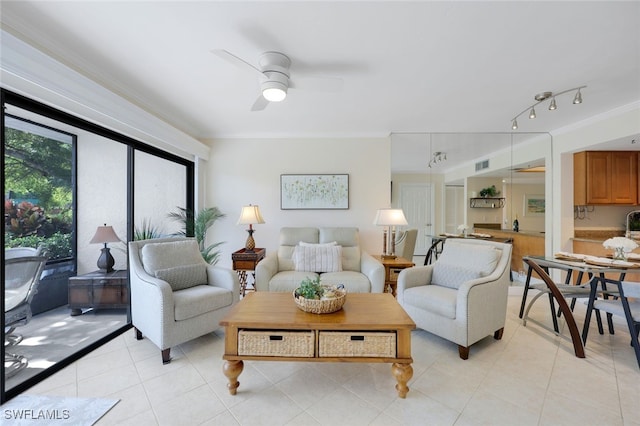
x=462 y=297
x=175 y=295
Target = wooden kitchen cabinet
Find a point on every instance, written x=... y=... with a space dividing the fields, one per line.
x=605 y=177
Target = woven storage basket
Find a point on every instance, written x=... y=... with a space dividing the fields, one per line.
x=354 y=344
x=323 y=306
x=276 y=343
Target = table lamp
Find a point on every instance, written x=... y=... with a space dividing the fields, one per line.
x=248 y=216
x=389 y=218
x=105 y=234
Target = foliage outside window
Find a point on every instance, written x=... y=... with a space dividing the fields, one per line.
x=38 y=192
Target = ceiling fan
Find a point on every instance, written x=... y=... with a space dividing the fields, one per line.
x=275 y=77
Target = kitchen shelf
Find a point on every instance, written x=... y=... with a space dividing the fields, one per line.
x=486 y=203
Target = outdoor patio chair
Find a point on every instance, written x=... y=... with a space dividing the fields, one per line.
x=23 y=268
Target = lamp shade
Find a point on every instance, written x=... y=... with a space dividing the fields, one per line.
x=249 y=215
x=104 y=234
x=390 y=217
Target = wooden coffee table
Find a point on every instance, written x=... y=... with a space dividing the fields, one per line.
x=370 y=327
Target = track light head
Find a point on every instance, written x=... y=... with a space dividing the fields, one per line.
x=552 y=105
x=578 y=98
x=532 y=113
x=514 y=125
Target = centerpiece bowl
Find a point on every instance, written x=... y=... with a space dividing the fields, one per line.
x=315 y=298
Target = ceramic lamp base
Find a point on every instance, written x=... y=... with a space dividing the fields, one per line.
x=106 y=261
x=250 y=244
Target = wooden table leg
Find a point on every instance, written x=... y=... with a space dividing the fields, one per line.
x=578 y=344
x=403 y=373
x=232 y=370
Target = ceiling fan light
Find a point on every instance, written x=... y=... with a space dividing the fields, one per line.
x=274 y=94
x=578 y=98
x=532 y=113
x=552 y=105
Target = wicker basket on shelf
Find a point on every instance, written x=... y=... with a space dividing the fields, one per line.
x=321 y=306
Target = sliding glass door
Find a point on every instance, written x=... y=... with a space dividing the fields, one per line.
x=66 y=182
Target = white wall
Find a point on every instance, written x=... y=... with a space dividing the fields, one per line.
x=247 y=171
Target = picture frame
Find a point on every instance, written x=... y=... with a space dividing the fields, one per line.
x=534 y=205
x=314 y=191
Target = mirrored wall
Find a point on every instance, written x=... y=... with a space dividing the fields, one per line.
x=480 y=182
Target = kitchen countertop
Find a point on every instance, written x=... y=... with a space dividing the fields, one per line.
x=508 y=231
x=597 y=235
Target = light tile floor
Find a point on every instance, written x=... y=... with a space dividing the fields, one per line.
x=530 y=377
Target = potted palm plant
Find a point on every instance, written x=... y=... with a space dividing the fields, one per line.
x=197 y=225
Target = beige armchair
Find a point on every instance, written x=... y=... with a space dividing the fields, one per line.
x=406 y=244
x=462 y=297
x=175 y=295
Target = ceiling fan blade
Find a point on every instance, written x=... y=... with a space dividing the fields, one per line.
x=260 y=104
x=238 y=62
x=319 y=84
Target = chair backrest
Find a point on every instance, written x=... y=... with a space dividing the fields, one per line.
x=463 y=260
x=175 y=260
x=406 y=244
x=21 y=278
x=347 y=237
x=12 y=253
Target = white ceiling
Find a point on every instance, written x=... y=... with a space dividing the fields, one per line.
x=407 y=67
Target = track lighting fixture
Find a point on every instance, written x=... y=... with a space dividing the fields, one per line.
x=543 y=96
x=438 y=157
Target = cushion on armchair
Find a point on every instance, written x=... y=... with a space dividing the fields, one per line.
x=179 y=263
x=185 y=276
x=461 y=262
x=318 y=258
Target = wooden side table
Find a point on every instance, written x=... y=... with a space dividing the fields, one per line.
x=244 y=261
x=98 y=290
x=392 y=268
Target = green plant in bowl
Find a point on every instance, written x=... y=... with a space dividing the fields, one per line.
x=310 y=288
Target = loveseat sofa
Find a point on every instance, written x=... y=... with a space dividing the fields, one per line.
x=334 y=254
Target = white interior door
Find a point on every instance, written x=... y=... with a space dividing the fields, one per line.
x=416 y=201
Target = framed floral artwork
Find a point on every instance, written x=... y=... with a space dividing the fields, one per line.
x=314 y=192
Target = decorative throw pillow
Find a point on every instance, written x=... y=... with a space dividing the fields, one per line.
x=185 y=276
x=168 y=254
x=461 y=262
x=318 y=258
x=304 y=244
x=452 y=276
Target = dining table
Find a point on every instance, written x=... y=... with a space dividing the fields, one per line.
x=600 y=271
